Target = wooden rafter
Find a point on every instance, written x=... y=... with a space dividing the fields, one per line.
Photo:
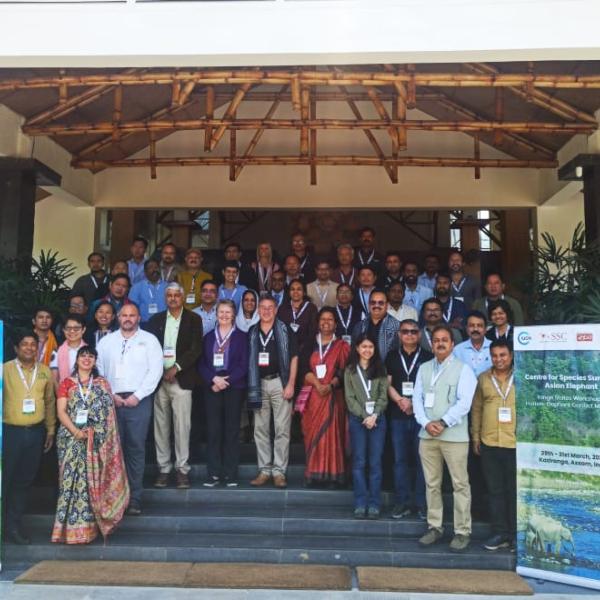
x=374 y=78
x=233 y=106
x=366 y=161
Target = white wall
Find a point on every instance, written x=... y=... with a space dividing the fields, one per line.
x=296 y=32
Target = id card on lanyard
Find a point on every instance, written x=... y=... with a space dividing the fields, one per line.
x=263 y=357
x=430 y=396
x=28 y=405
x=366 y=383
x=408 y=386
x=504 y=412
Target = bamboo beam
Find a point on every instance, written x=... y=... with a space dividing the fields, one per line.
x=477 y=156
x=63 y=94
x=313 y=144
x=210 y=113
x=306 y=77
x=383 y=115
x=175 y=92
x=328 y=96
x=152 y=155
x=231 y=109
x=232 y=154
x=499 y=115
x=374 y=143
x=304 y=115
x=395 y=140
x=296 y=95
x=406 y=161
x=117 y=113
x=540 y=98
x=188 y=88
x=401 y=100
x=256 y=137
x=293 y=124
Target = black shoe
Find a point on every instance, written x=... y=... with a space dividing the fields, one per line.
x=373 y=513
x=231 y=483
x=496 y=542
x=422 y=514
x=359 y=513
x=211 y=481
x=134 y=510
x=400 y=511
x=16 y=537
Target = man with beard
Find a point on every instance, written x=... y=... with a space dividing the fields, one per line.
x=463 y=287
x=453 y=309
x=414 y=294
x=392 y=271
x=169 y=269
x=432 y=317
x=365 y=252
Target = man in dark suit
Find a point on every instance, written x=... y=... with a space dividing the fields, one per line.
x=246 y=276
x=179 y=332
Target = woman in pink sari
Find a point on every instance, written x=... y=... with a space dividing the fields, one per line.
x=324 y=420
x=93 y=488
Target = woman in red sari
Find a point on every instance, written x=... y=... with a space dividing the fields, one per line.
x=324 y=420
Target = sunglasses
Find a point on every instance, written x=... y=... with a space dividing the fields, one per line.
x=409 y=331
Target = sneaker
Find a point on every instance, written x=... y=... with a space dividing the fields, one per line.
x=432 y=536
x=359 y=513
x=183 y=481
x=211 y=481
x=496 y=542
x=422 y=514
x=400 y=511
x=460 y=542
x=372 y=513
x=231 y=483
x=260 y=479
x=162 y=480
x=134 y=510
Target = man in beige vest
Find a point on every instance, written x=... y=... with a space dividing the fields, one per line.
x=442 y=399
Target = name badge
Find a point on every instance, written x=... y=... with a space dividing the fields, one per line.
x=347 y=339
x=152 y=309
x=28 y=406
x=504 y=414
x=429 y=400
x=219 y=359
x=370 y=407
x=169 y=352
x=263 y=359
x=461 y=298
x=120 y=371
x=295 y=327
x=81 y=417
x=321 y=371
x=407 y=388
x=190 y=299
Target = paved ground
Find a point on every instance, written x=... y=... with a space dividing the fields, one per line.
x=10 y=591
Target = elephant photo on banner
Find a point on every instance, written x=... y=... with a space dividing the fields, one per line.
x=546 y=535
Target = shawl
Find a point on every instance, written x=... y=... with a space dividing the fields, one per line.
x=62 y=357
x=50 y=346
x=281 y=334
x=241 y=322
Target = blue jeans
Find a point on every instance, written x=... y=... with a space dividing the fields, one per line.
x=405 y=441
x=367 y=444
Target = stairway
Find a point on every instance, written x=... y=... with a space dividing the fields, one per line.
x=296 y=525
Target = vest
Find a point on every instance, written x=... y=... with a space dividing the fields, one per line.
x=445 y=396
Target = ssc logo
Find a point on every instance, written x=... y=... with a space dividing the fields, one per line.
x=524 y=338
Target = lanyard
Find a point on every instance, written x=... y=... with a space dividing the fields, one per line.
x=323 y=353
x=409 y=370
x=503 y=395
x=459 y=287
x=86 y=395
x=487 y=301
x=264 y=275
x=322 y=297
x=350 y=280
x=303 y=263
x=168 y=275
x=265 y=342
x=360 y=257
x=428 y=336
x=365 y=303
x=221 y=343
x=150 y=291
x=448 y=313
x=99 y=334
x=345 y=324
x=498 y=336
x=223 y=293
x=436 y=376
x=366 y=384
x=28 y=388
x=297 y=315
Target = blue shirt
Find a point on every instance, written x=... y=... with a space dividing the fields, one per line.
x=235 y=294
x=416 y=297
x=209 y=319
x=150 y=298
x=135 y=271
x=425 y=281
x=479 y=360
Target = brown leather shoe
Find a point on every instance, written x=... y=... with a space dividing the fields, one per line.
x=260 y=479
x=162 y=480
x=279 y=481
x=182 y=481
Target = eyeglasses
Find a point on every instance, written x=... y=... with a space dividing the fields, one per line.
x=409 y=331
x=74 y=328
x=377 y=303
x=79 y=305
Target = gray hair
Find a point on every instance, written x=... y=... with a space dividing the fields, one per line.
x=349 y=246
x=174 y=286
x=226 y=302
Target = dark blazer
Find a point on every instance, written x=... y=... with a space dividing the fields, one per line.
x=189 y=344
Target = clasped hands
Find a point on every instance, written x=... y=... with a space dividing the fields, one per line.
x=220 y=383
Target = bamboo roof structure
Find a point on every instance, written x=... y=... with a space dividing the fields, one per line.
x=105 y=118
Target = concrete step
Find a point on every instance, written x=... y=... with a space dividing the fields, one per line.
x=275 y=548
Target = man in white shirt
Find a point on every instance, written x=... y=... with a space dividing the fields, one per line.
x=396 y=307
x=322 y=291
x=132 y=361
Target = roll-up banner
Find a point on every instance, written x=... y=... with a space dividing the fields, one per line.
x=557 y=378
x=1 y=426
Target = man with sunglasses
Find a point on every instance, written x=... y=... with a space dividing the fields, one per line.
x=381 y=327
x=402 y=367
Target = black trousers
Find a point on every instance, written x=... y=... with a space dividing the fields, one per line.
x=500 y=471
x=21 y=455
x=223 y=412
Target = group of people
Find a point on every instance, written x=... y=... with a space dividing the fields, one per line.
x=363 y=350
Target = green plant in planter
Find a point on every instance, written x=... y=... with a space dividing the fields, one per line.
x=565 y=284
x=22 y=289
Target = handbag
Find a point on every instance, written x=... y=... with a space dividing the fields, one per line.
x=302 y=398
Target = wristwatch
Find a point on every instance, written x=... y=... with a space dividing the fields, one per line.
x=444 y=424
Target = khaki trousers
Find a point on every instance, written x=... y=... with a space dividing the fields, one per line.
x=172 y=405
x=433 y=454
x=273 y=460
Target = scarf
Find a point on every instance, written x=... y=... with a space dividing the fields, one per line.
x=50 y=346
x=62 y=357
x=281 y=333
x=240 y=321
